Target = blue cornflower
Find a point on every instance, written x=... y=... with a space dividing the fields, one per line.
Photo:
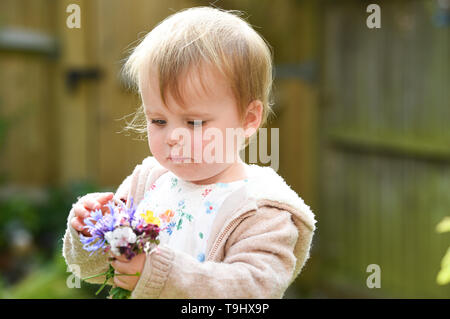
x=98 y=225
x=103 y=224
x=131 y=212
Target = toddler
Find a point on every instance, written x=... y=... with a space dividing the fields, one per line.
x=230 y=230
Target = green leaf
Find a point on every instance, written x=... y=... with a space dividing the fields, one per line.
x=119 y=293
x=444 y=225
x=443 y=276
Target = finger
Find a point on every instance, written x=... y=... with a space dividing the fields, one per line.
x=105 y=209
x=119 y=201
x=92 y=204
x=122 y=259
x=104 y=198
x=120 y=266
x=126 y=282
x=117 y=265
x=80 y=211
x=120 y=281
x=75 y=223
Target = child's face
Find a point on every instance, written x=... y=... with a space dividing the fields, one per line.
x=173 y=132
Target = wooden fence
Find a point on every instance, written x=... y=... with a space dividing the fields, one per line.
x=385 y=147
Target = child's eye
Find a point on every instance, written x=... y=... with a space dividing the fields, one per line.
x=158 y=122
x=196 y=123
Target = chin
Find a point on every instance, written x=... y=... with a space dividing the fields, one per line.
x=195 y=173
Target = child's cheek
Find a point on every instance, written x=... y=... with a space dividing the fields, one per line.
x=197 y=144
x=213 y=146
x=154 y=142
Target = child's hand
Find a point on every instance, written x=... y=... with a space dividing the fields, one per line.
x=128 y=267
x=84 y=206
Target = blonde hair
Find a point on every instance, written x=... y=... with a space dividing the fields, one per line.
x=196 y=35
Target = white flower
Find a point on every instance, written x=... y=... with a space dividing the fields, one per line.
x=120 y=237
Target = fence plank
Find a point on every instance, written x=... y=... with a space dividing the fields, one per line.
x=383 y=111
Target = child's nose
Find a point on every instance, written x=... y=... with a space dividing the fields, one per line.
x=173 y=139
x=171 y=142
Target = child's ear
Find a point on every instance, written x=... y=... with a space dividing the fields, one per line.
x=253 y=117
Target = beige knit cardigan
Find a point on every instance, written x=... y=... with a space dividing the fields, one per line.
x=258 y=244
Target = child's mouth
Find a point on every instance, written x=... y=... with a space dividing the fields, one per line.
x=177 y=159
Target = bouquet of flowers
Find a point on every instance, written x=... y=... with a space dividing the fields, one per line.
x=120 y=232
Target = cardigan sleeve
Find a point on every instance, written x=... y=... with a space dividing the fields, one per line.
x=259 y=262
x=79 y=261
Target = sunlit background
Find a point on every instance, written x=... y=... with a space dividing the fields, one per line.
x=363 y=117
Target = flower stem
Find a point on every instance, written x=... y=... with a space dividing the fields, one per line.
x=136 y=274
x=98 y=275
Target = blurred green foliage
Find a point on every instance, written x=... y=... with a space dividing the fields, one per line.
x=3 y=127
x=4 y=123
x=32 y=225
x=39 y=271
x=49 y=281
x=45 y=219
x=443 y=277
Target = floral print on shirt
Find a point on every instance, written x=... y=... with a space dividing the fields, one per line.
x=209 y=207
x=206 y=192
x=168 y=204
x=167 y=215
x=182 y=214
x=201 y=257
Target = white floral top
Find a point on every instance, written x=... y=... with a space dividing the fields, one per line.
x=185 y=211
